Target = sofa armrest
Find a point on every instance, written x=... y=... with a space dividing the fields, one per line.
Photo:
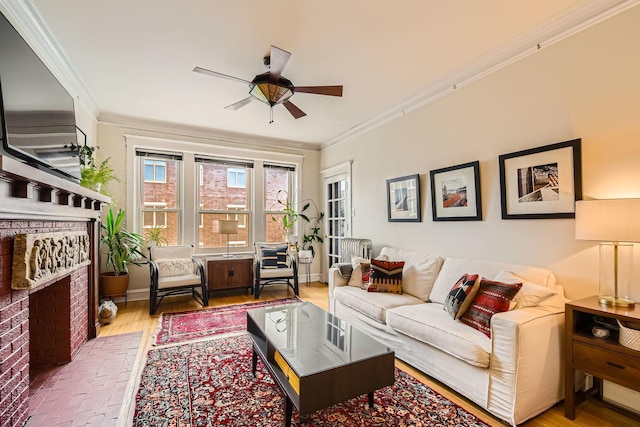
x=526 y=369
x=336 y=278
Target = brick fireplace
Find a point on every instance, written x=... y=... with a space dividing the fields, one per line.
x=45 y=318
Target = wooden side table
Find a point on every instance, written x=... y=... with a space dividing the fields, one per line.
x=604 y=358
x=230 y=273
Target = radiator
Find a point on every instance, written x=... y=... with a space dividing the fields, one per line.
x=350 y=246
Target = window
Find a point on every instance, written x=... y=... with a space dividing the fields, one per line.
x=152 y=218
x=236 y=177
x=155 y=171
x=225 y=194
x=279 y=189
x=182 y=189
x=159 y=205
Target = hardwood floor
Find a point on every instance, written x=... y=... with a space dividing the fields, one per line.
x=134 y=316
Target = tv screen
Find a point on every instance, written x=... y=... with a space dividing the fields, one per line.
x=37 y=113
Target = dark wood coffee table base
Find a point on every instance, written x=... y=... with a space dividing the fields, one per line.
x=288 y=404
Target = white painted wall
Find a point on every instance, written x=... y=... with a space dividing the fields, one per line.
x=586 y=86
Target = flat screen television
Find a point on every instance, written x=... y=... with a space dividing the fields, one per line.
x=36 y=112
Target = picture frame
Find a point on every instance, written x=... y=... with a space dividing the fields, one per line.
x=403 y=199
x=455 y=193
x=542 y=182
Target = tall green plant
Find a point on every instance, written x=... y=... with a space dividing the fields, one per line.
x=120 y=246
x=312 y=227
x=289 y=214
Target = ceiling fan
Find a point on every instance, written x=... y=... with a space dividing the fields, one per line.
x=271 y=87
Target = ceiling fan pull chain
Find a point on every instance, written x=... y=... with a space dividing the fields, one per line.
x=271 y=115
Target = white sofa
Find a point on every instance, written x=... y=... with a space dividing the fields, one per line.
x=515 y=375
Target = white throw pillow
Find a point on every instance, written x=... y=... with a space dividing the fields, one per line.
x=357 y=264
x=419 y=272
x=529 y=295
x=174 y=267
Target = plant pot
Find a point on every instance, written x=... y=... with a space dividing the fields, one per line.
x=113 y=286
x=305 y=254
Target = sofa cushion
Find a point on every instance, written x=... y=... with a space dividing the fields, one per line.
x=419 y=273
x=461 y=295
x=493 y=297
x=529 y=295
x=360 y=273
x=372 y=304
x=385 y=276
x=453 y=268
x=432 y=325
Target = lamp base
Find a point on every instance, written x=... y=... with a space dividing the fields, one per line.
x=616 y=302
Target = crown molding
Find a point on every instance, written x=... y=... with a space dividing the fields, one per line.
x=25 y=17
x=181 y=131
x=556 y=29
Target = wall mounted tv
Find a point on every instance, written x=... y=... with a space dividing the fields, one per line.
x=36 y=112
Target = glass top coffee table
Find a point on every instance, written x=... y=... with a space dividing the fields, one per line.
x=315 y=358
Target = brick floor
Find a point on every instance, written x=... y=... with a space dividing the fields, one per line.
x=91 y=390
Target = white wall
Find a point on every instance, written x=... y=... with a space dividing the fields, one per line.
x=587 y=86
x=111 y=141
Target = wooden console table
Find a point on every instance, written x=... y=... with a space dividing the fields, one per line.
x=230 y=273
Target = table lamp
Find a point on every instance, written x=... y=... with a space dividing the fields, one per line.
x=615 y=223
x=227 y=226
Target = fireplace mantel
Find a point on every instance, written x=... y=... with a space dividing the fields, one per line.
x=30 y=193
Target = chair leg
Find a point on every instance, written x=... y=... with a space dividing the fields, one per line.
x=256 y=289
x=152 y=302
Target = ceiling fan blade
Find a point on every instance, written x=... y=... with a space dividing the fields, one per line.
x=295 y=111
x=216 y=74
x=278 y=61
x=320 y=90
x=239 y=104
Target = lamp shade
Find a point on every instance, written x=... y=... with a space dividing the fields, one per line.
x=609 y=220
x=227 y=226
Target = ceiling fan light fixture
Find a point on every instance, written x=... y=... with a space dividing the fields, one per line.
x=270 y=93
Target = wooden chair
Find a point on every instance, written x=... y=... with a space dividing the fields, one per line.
x=274 y=265
x=174 y=271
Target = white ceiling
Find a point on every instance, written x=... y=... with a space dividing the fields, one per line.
x=133 y=59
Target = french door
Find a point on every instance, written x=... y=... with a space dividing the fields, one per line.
x=337 y=203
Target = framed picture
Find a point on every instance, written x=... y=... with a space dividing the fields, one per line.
x=455 y=193
x=403 y=199
x=542 y=182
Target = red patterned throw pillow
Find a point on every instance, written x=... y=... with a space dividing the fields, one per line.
x=461 y=295
x=386 y=276
x=493 y=297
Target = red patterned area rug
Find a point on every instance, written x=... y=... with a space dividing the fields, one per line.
x=196 y=324
x=209 y=383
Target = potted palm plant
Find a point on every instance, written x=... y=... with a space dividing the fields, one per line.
x=121 y=247
x=154 y=236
